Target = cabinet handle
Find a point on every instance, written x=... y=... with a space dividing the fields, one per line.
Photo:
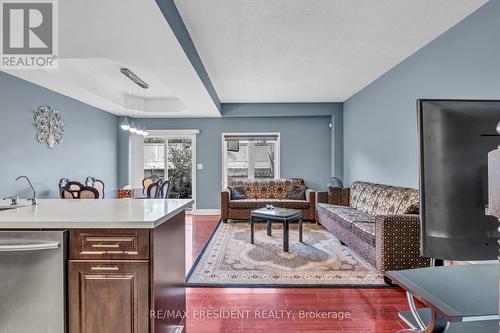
x=105 y=268
x=29 y=247
x=100 y=245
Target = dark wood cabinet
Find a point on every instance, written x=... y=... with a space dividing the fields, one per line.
x=108 y=296
x=116 y=277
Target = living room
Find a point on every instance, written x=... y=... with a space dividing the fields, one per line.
x=277 y=166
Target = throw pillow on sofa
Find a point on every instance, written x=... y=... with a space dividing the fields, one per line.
x=237 y=192
x=297 y=192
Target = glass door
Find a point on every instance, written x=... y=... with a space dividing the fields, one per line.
x=180 y=167
x=154 y=157
x=170 y=158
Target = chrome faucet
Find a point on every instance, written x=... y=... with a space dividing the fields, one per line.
x=14 y=200
x=33 y=200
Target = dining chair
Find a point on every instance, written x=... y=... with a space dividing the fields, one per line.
x=72 y=190
x=97 y=184
x=65 y=194
x=85 y=192
x=88 y=192
x=153 y=190
x=62 y=184
x=148 y=181
x=164 y=191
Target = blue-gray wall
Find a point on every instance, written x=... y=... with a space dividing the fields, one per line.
x=89 y=147
x=380 y=131
x=305 y=149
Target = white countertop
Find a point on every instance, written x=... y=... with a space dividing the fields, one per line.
x=82 y=214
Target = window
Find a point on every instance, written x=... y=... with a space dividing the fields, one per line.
x=250 y=156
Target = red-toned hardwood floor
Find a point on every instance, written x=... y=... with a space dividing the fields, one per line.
x=372 y=310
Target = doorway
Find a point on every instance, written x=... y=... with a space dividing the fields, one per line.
x=171 y=155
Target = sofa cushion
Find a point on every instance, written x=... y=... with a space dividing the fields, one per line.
x=365 y=231
x=267 y=188
x=357 y=189
x=295 y=204
x=296 y=192
x=243 y=204
x=345 y=216
x=378 y=199
x=264 y=202
x=369 y=197
x=410 y=202
x=237 y=192
x=396 y=201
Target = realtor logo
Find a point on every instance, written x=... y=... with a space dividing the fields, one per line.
x=29 y=34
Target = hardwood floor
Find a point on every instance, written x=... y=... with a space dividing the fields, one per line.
x=281 y=310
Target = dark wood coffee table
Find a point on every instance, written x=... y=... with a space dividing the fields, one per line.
x=282 y=215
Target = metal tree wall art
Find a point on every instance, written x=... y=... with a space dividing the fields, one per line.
x=50 y=126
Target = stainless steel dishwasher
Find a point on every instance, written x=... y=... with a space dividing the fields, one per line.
x=33 y=281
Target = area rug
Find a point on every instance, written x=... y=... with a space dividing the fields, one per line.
x=229 y=260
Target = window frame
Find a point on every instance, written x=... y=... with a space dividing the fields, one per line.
x=277 y=166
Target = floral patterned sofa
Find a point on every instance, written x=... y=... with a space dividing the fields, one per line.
x=262 y=192
x=379 y=222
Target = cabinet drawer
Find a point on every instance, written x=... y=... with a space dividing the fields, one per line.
x=109 y=244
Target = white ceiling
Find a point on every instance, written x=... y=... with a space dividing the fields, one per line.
x=98 y=37
x=310 y=50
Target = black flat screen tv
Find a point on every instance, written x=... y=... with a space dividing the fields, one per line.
x=455 y=138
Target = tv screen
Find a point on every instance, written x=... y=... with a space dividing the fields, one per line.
x=455 y=139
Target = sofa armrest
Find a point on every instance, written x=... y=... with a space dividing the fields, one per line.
x=310 y=195
x=310 y=214
x=335 y=196
x=397 y=240
x=224 y=203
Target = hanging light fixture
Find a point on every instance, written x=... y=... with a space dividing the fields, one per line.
x=132 y=127
x=144 y=131
x=139 y=130
x=125 y=124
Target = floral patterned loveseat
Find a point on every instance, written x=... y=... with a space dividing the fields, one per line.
x=379 y=222
x=262 y=192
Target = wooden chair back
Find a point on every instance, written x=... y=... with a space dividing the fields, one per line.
x=153 y=190
x=62 y=184
x=72 y=189
x=97 y=184
x=146 y=182
x=76 y=190
x=89 y=193
x=164 y=191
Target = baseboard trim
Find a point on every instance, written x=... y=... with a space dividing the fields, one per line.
x=207 y=212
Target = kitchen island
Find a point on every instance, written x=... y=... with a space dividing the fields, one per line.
x=114 y=265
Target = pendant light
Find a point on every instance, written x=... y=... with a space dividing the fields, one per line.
x=139 y=130
x=125 y=124
x=133 y=128
x=144 y=132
